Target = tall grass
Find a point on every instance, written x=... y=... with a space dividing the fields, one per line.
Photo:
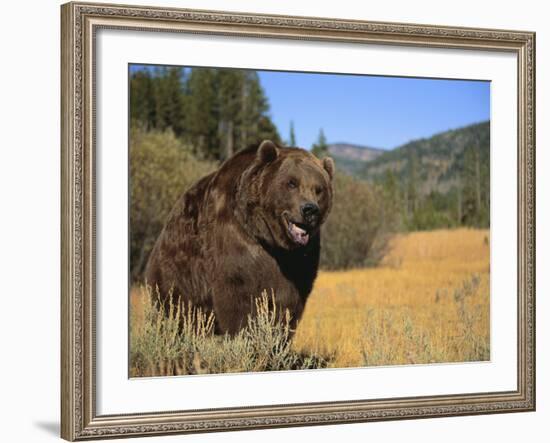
x=428 y=302
x=400 y=336
x=182 y=340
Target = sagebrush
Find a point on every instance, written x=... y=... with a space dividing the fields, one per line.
x=182 y=341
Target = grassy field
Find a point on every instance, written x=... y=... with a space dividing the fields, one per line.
x=428 y=302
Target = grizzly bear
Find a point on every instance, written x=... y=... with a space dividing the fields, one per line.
x=250 y=226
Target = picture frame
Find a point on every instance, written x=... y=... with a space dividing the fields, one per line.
x=81 y=22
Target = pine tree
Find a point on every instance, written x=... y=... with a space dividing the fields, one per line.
x=392 y=199
x=292 y=140
x=255 y=123
x=412 y=184
x=202 y=113
x=230 y=104
x=162 y=98
x=267 y=130
x=254 y=105
x=470 y=208
x=142 y=99
x=169 y=100
x=320 y=148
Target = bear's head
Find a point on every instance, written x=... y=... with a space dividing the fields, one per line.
x=285 y=195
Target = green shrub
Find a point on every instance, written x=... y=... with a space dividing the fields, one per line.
x=161 y=169
x=359 y=227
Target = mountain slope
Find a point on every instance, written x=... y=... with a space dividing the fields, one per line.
x=351 y=158
x=436 y=163
x=438 y=160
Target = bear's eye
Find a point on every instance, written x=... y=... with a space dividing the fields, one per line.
x=318 y=190
x=292 y=184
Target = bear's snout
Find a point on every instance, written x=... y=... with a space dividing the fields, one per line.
x=310 y=212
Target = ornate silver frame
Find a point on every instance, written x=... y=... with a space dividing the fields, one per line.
x=80 y=21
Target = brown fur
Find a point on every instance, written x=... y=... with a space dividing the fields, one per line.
x=227 y=239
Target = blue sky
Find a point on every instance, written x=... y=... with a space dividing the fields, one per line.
x=381 y=112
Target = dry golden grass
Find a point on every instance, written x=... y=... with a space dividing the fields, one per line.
x=428 y=302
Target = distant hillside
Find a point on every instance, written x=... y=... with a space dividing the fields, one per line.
x=351 y=158
x=438 y=162
x=438 y=182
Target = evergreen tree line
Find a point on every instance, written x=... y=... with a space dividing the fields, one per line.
x=215 y=111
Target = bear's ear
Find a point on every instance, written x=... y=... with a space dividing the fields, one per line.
x=267 y=151
x=328 y=164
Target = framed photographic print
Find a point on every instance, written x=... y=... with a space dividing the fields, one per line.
x=281 y=221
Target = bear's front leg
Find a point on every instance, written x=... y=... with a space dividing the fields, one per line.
x=232 y=305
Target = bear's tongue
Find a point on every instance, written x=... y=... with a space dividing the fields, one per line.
x=299 y=235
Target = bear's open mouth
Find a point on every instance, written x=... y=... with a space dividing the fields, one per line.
x=298 y=232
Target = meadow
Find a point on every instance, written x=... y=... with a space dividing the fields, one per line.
x=426 y=302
